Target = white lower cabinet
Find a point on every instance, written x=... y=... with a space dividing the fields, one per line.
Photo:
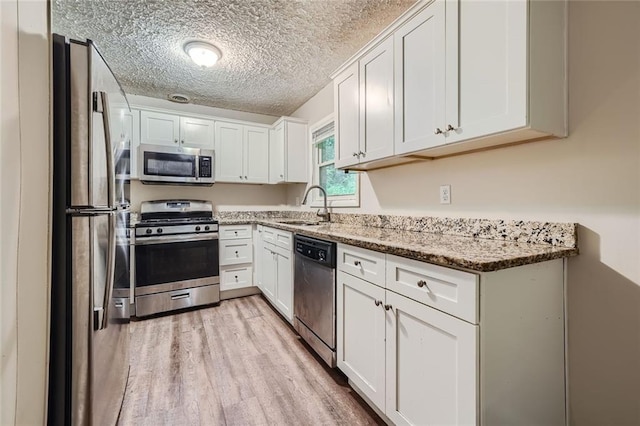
x=236 y=260
x=276 y=270
x=431 y=373
x=361 y=335
x=429 y=345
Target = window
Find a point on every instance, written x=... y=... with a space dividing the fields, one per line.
x=342 y=188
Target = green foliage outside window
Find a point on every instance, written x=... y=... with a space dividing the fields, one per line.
x=335 y=182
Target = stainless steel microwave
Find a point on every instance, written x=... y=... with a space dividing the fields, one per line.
x=176 y=165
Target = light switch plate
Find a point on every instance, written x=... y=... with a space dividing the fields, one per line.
x=445 y=194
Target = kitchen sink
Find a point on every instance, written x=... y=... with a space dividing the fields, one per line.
x=299 y=222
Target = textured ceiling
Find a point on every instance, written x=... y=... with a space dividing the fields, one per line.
x=276 y=54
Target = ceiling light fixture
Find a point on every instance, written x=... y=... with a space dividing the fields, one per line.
x=202 y=53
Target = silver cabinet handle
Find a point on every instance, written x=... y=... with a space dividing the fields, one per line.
x=363 y=154
x=182 y=142
x=422 y=283
x=357 y=263
x=175 y=141
x=355 y=154
x=246 y=177
x=437 y=131
x=281 y=176
x=236 y=278
x=240 y=176
x=450 y=128
x=387 y=307
x=236 y=253
x=180 y=296
x=378 y=302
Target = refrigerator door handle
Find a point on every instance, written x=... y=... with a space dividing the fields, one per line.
x=101 y=313
x=102 y=107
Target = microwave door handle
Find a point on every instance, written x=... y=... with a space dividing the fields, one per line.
x=197 y=166
x=106 y=122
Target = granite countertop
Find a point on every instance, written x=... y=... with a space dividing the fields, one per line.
x=462 y=252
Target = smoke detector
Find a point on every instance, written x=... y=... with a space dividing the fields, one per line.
x=178 y=98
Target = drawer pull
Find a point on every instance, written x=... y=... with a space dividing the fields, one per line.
x=357 y=263
x=387 y=307
x=119 y=305
x=236 y=278
x=422 y=283
x=180 y=296
x=378 y=302
x=236 y=253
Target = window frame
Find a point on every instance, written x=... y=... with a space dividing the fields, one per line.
x=317 y=200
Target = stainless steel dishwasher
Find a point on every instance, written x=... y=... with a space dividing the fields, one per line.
x=314 y=290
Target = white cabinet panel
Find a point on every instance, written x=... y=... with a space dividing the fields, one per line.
x=268 y=264
x=284 y=282
x=277 y=154
x=362 y=263
x=347 y=111
x=229 y=152
x=288 y=159
x=361 y=335
x=233 y=278
x=431 y=368
x=196 y=133
x=234 y=252
x=234 y=232
x=256 y=154
x=448 y=290
x=159 y=129
x=376 y=102
x=420 y=85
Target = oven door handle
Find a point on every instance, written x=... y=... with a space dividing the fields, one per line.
x=167 y=239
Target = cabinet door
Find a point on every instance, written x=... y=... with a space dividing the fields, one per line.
x=257 y=256
x=131 y=132
x=346 y=107
x=420 y=80
x=296 y=159
x=276 y=155
x=284 y=283
x=493 y=68
x=196 y=133
x=229 y=152
x=256 y=154
x=432 y=376
x=268 y=265
x=376 y=102
x=361 y=335
x=159 y=129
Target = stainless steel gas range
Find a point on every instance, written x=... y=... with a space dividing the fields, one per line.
x=176 y=256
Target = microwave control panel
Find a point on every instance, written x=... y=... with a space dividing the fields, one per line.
x=205 y=166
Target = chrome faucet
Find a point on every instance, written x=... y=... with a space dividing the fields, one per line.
x=326 y=217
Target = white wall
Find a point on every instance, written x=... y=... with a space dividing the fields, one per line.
x=24 y=212
x=592 y=177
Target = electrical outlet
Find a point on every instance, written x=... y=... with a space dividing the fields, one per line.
x=445 y=194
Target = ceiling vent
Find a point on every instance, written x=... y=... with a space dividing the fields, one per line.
x=178 y=98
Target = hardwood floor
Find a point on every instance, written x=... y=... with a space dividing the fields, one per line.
x=238 y=363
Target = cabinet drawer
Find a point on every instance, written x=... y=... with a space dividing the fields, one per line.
x=268 y=235
x=234 y=232
x=233 y=252
x=362 y=263
x=284 y=239
x=232 y=278
x=448 y=290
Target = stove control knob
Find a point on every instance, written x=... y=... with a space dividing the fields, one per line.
x=206 y=228
x=197 y=228
x=159 y=230
x=149 y=230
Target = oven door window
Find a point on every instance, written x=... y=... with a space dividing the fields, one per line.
x=164 y=164
x=176 y=261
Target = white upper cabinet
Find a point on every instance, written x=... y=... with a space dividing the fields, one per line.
x=376 y=100
x=288 y=158
x=363 y=99
x=125 y=130
x=242 y=153
x=195 y=132
x=159 y=129
x=420 y=84
x=346 y=98
x=467 y=75
x=256 y=166
x=173 y=130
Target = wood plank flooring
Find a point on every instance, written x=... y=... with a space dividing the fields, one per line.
x=238 y=363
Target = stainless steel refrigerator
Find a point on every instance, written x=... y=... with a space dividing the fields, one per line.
x=89 y=352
